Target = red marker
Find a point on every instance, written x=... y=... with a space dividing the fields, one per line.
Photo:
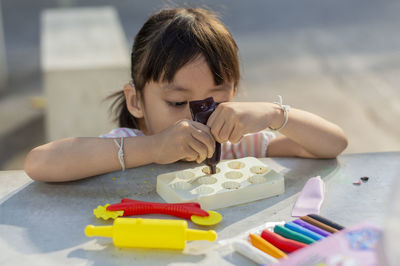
x=285 y=244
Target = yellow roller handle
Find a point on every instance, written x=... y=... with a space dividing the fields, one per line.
x=106 y=231
x=193 y=234
x=150 y=233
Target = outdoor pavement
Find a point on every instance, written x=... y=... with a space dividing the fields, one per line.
x=339 y=59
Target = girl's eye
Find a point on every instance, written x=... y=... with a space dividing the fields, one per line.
x=177 y=104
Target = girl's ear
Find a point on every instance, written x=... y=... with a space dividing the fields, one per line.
x=133 y=101
x=234 y=91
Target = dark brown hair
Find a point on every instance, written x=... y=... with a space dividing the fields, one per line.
x=170 y=39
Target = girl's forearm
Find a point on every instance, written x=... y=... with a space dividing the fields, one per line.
x=315 y=134
x=77 y=158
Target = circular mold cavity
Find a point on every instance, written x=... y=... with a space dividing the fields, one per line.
x=207 y=170
x=204 y=190
x=181 y=185
x=207 y=180
x=231 y=185
x=185 y=175
x=236 y=165
x=233 y=175
x=256 y=179
x=258 y=170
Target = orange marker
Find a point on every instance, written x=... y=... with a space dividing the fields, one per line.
x=267 y=247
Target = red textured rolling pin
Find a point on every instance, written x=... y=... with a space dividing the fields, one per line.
x=135 y=207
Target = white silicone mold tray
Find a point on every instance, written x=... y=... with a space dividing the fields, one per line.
x=236 y=181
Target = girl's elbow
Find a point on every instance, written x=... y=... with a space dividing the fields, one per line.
x=34 y=165
x=344 y=144
x=341 y=145
x=338 y=148
x=331 y=151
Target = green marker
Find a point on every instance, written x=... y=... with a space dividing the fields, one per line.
x=285 y=232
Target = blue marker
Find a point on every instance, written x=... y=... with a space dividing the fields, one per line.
x=312 y=228
x=304 y=231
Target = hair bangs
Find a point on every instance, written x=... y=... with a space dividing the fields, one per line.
x=185 y=39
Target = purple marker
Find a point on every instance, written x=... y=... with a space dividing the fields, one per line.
x=312 y=228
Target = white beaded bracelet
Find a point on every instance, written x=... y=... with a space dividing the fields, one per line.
x=121 y=153
x=286 y=109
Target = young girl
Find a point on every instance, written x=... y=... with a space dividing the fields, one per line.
x=181 y=55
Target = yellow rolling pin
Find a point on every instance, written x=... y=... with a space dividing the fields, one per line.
x=150 y=233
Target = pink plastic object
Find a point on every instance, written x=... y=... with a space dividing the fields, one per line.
x=311 y=198
x=357 y=245
x=135 y=207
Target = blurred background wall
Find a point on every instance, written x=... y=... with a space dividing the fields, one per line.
x=3 y=66
x=339 y=59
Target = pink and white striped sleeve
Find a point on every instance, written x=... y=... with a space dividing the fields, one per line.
x=251 y=145
x=122 y=132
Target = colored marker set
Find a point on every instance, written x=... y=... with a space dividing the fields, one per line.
x=279 y=241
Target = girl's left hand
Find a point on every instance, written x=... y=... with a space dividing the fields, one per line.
x=231 y=120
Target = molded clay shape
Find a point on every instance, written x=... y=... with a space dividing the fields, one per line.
x=207 y=170
x=257 y=179
x=259 y=170
x=231 y=185
x=233 y=175
x=207 y=180
x=236 y=165
x=204 y=190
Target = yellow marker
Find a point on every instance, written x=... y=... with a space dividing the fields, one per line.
x=267 y=247
x=150 y=233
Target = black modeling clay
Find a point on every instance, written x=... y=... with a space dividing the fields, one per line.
x=201 y=111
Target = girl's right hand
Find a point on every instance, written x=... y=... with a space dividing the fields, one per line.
x=185 y=140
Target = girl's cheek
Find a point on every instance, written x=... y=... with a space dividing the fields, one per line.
x=180 y=115
x=180 y=111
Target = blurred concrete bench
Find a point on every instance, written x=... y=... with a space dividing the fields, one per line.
x=84 y=57
x=3 y=65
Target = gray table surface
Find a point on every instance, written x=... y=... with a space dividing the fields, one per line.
x=43 y=223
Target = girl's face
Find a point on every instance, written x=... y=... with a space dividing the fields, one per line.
x=164 y=104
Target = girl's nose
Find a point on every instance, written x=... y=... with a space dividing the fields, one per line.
x=188 y=115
